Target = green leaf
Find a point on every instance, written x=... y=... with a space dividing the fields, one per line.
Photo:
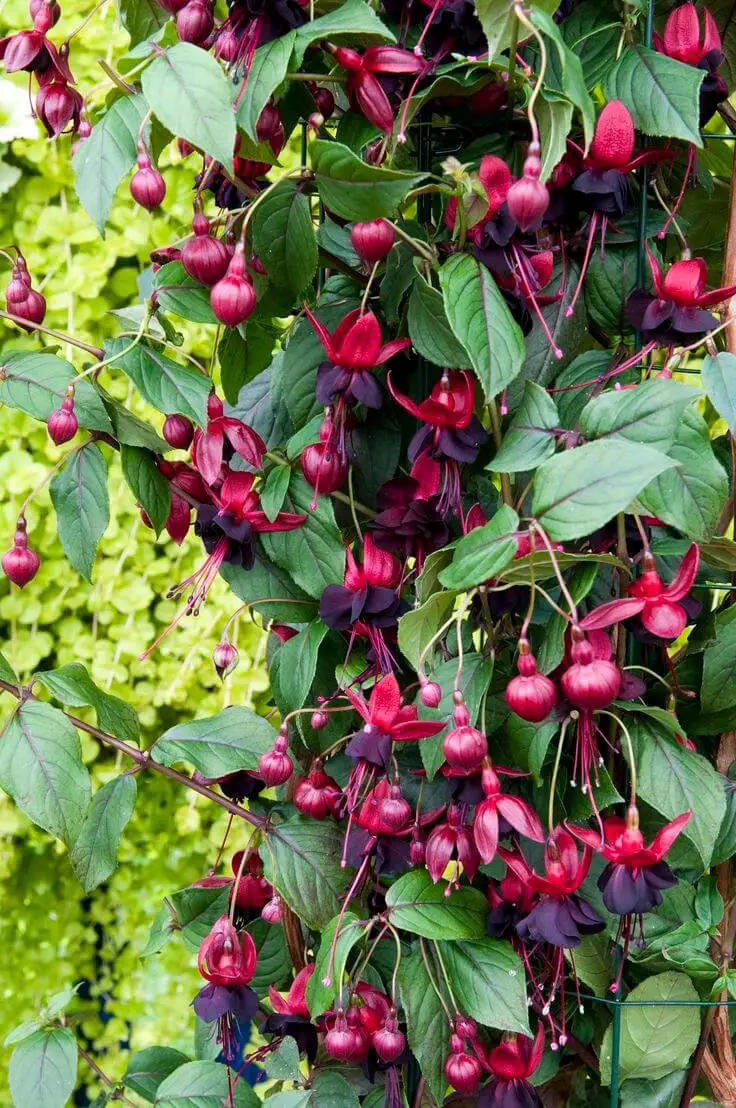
x=719 y=666
x=283 y=1063
x=203 y=1085
x=132 y=431
x=179 y=293
x=662 y=94
x=352 y=931
x=353 y=189
x=481 y=321
x=353 y=22
x=567 y=70
x=313 y=554
x=554 y=116
x=73 y=686
x=497 y=19
x=266 y=72
x=718 y=374
x=41 y=768
x=141 y=18
x=416 y=628
x=261 y=404
x=530 y=438
x=171 y=388
x=196 y=909
x=490 y=978
x=7 y=673
x=233 y=739
x=483 y=551
x=188 y=91
x=663 y=1093
x=593 y=963
x=304 y=863
x=429 y=329
x=579 y=490
x=374 y=452
x=417 y=905
x=591 y=32
x=148 y=1068
x=648 y=414
x=94 y=854
x=298 y=663
x=43 y=1069
x=609 y=280
x=147 y=483
x=82 y=506
x=274 y=491
x=104 y=158
x=37 y=383
x=283 y=236
x=427 y=1027
x=655 y=1038
x=274 y=961
x=691 y=496
x=673 y=779
x=244 y=356
x=331 y=1090
x=267 y=579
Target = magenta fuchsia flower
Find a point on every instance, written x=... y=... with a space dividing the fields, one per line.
x=451 y=433
x=633 y=880
x=386 y=721
x=684 y=41
x=227 y=960
x=291 y=1014
x=208 y=448
x=57 y=105
x=353 y=351
x=512 y=1063
x=364 y=89
x=452 y=841
x=497 y=806
x=655 y=604
x=509 y=900
x=33 y=52
x=677 y=313
x=409 y=519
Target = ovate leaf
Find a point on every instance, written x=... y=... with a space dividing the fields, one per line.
x=233 y=739
x=483 y=552
x=354 y=22
x=579 y=490
x=719 y=667
x=170 y=387
x=79 y=496
x=148 y=1068
x=663 y=95
x=313 y=554
x=417 y=628
x=266 y=72
x=203 y=1085
x=490 y=978
x=283 y=236
x=189 y=92
x=427 y=1027
x=37 y=383
x=530 y=438
x=43 y=1069
x=94 y=854
x=104 y=158
x=430 y=331
x=417 y=905
x=481 y=321
x=718 y=374
x=41 y=768
x=303 y=861
x=147 y=483
x=298 y=663
x=73 y=687
x=353 y=189
x=648 y=414
x=352 y=931
x=657 y=1037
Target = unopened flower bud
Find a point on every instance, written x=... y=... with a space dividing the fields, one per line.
x=20 y=564
x=431 y=694
x=147 y=186
x=225 y=658
x=63 y=423
x=372 y=241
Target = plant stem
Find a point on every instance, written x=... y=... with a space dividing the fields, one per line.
x=93 y=350
x=497 y=439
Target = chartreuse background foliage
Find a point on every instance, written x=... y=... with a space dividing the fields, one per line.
x=51 y=935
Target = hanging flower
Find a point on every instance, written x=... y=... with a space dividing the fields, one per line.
x=450 y=841
x=291 y=1014
x=353 y=351
x=227 y=960
x=208 y=448
x=409 y=519
x=683 y=40
x=386 y=721
x=512 y=1063
x=364 y=89
x=677 y=313
x=497 y=806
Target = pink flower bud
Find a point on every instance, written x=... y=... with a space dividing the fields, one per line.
x=63 y=423
x=463 y=1072
x=345 y=1043
x=394 y=810
x=233 y=298
x=388 y=1042
x=590 y=682
x=324 y=100
x=147 y=186
x=318 y=720
x=465 y=747
x=178 y=431
x=273 y=912
x=20 y=564
x=194 y=22
x=527 y=200
x=225 y=658
x=47 y=14
x=204 y=257
x=32 y=309
x=372 y=241
x=531 y=695
x=275 y=766
x=430 y=694
x=325 y=468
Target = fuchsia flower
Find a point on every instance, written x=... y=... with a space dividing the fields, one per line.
x=677 y=313
x=208 y=447
x=386 y=721
x=291 y=1014
x=364 y=90
x=227 y=960
x=683 y=40
x=499 y=806
x=353 y=351
x=512 y=1063
x=656 y=604
x=33 y=52
x=449 y=840
x=632 y=881
x=409 y=520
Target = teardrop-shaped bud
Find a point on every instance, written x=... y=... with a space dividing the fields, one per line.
x=388 y=1042
x=527 y=201
x=393 y=809
x=194 y=22
x=465 y=748
x=531 y=695
x=225 y=658
x=147 y=186
x=324 y=100
x=324 y=467
x=63 y=423
x=32 y=309
x=373 y=240
x=590 y=682
x=275 y=766
x=178 y=431
x=463 y=1071
x=204 y=257
x=233 y=298
x=20 y=564
x=273 y=912
x=430 y=694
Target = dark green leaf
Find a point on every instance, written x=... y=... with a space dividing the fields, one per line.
x=579 y=490
x=141 y=18
x=566 y=74
x=298 y=663
x=43 y=1069
x=147 y=483
x=73 y=686
x=593 y=963
x=274 y=491
x=648 y=414
x=94 y=854
x=718 y=374
x=268 y=579
x=490 y=978
x=196 y=909
x=148 y=1068
x=304 y=863
x=336 y=240
x=37 y=383
x=690 y=496
x=417 y=628
x=498 y=19
x=104 y=158
x=481 y=321
x=203 y=1085
x=673 y=779
x=82 y=506
x=132 y=431
x=656 y=1038
x=261 y=404
x=320 y=996
x=554 y=116
x=353 y=189
x=719 y=666
x=608 y=282
x=243 y=357
x=266 y=72
x=353 y=22
x=374 y=450
x=662 y=94
x=233 y=739
x=427 y=1026
x=313 y=554
x=593 y=35
x=530 y=438
x=331 y=1090
x=417 y=905
x=666 y=1092
x=283 y=236
x=188 y=91
x=179 y=293
x=483 y=552
x=274 y=961
x=170 y=387
x=429 y=329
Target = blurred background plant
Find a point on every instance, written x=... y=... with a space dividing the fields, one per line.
x=50 y=933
